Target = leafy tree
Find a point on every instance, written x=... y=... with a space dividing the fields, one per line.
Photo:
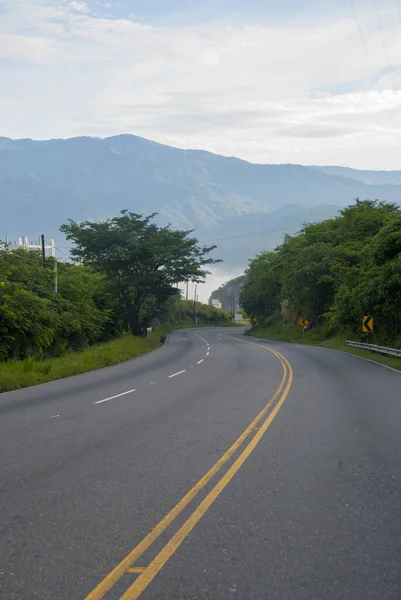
x=260 y=294
x=335 y=271
x=27 y=318
x=35 y=321
x=142 y=260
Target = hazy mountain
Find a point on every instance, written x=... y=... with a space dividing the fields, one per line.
x=229 y=293
x=43 y=183
x=369 y=177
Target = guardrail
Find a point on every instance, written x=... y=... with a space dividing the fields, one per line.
x=374 y=348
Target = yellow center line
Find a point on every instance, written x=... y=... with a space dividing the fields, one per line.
x=136 y=570
x=136 y=589
x=154 y=567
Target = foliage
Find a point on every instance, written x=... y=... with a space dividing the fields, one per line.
x=142 y=261
x=182 y=312
x=260 y=295
x=16 y=374
x=125 y=275
x=35 y=321
x=334 y=273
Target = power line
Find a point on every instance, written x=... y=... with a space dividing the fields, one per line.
x=390 y=66
x=399 y=9
x=235 y=237
x=58 y=250
x=368 y=56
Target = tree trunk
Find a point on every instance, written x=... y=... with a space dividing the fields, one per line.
x=133 y=319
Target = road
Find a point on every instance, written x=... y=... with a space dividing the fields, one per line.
x=218 y=467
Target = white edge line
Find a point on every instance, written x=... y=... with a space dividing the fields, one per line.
x=116 y=396
x=175 y=374
x=375 y=362
x=200 y=361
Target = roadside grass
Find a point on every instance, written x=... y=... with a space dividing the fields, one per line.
x=319 y=337
x=17 y=374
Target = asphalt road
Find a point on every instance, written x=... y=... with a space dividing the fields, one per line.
x=228 y=471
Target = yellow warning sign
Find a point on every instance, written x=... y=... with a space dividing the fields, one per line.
x=303 y=321
x=367 y=324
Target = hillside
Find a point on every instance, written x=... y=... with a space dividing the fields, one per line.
x=43 y=183
x=229 y=294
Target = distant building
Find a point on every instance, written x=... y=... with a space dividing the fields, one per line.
x=24 y=242
x=216 y=303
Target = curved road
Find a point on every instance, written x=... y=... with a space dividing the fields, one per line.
x=219 y=467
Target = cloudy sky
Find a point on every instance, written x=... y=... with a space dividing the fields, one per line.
x=286 y=81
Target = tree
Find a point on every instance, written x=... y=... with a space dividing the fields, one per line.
x=36 y=321
x=335 y=272
x=143 y=261
x=260 y=294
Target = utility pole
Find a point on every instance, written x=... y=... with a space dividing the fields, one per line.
x=42 y=242
x=187 y=291
x=55 y=276
x=195 y=303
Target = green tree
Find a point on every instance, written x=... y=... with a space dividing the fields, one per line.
x=27 y=317
x=335 y=271
x=260 y=294
x=142 y=260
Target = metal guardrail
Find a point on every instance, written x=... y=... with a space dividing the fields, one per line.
x=374 y=348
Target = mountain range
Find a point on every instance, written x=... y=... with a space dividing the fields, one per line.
x=241 y=206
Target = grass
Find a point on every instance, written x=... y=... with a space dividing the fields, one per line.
x=319 y=337
x=17 y=374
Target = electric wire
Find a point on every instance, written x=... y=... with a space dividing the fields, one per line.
x=390 y=66
x=369 y=59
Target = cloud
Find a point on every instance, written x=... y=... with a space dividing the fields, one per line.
x=78 y=6
x=298 y=89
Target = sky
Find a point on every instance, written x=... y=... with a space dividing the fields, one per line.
x=298 y=81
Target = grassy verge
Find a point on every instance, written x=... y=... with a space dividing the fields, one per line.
x=16 y=374
x=19 y=374
x=319 y=337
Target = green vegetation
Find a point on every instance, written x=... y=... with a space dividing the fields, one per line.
x=16 y=374
x=125 y=279
x=181 y=313
x=333 y=273
x=37 y=322
x=143 y=262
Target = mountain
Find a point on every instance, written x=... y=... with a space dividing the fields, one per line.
x=369 y=177
x=228 y=294
x=44 y=183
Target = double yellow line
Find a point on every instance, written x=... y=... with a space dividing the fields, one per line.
x=149 y=572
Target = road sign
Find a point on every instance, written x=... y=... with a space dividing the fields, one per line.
x=303 y=321
x=367 y=324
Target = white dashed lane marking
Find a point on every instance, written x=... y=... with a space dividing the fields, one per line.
x=175 y=374
x=116 y=396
